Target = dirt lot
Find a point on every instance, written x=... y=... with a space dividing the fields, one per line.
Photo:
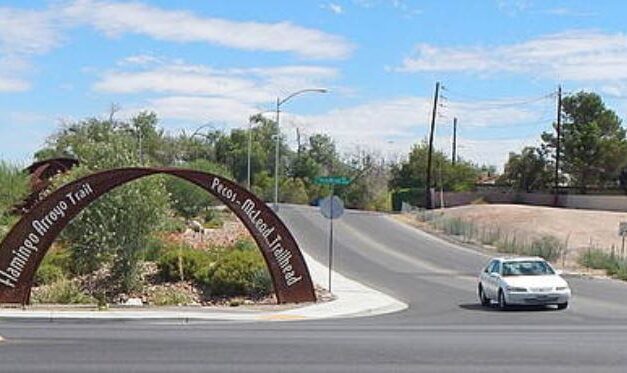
x=580 y=229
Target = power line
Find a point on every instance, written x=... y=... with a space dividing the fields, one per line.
x=494 y=102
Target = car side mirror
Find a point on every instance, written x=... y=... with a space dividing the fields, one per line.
x=559 y=272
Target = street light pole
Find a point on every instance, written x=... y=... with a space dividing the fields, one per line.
x=276 y=156
x=250 y=141
x=280 y=102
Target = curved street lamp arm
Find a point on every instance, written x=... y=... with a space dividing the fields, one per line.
x=213 y=127
x=319 y=90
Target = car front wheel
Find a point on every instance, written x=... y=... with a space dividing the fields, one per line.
x=502 y=303
x=562 y=306
x=485 y=301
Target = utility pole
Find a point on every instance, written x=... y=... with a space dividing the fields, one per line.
x=428 y=203
x=454 y=158
x=558 y=145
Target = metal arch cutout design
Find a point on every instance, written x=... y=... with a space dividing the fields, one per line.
x=24 y=247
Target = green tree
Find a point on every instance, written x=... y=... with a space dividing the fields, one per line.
x=594 y=148
x=527 y=171
x=293 y=191
x=322 y=150
x=115 y=228
x=411 y=173
x=232 y=149
x=13 y=188
x=188 y=199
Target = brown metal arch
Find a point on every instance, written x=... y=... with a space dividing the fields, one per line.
x=24 y=247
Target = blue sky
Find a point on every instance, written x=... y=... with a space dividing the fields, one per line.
x=197 y=62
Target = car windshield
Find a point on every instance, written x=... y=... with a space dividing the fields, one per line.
x=527 y=268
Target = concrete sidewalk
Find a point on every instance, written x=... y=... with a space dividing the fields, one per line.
x=352 y=300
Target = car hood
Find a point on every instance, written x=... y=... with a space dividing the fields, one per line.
x=534 y=281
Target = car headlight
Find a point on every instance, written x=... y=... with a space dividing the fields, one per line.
x=561 y=288
x=515 y=289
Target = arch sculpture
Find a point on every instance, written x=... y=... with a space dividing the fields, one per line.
x=24 y=247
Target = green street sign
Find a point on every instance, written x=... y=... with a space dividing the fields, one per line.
x=332 y=180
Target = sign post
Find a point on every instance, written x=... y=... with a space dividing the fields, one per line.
x=332 y=208
x=622 y=231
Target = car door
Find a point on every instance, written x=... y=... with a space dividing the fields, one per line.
x=495 y=276
x=486 y=279
x=492 y=280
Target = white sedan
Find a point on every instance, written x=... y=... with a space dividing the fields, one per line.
x=522 y=281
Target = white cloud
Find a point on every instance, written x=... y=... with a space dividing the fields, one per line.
x=332 y=7
x=139 y=59
x=201 y=109
x=23 y=34
x=13 y=85
x=27 y=32
x=402 y=6
x=513 y=7
x=572 y=55
x=116 y=18
x=485 y=152
x=251 y=85
x=173 y=80
x=395 y=125
x=568 y=12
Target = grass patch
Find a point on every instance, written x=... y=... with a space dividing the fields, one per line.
x=62 y=292
x=600 y=259
x=547 y=247
x=169 y=297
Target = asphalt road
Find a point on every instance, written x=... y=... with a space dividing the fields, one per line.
x=444 y=329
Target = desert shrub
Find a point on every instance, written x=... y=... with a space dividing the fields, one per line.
x=62 y=292
x=621 y=271
x=509 y=245
x=48 y=274
x=213 y=219
x=169 y=297
x=153 y=249
x=173 y=224
x=245 y=244
x=547 y=247
x=184 y=261
x=455 y=227
x=599 y=259
x=424 y=215
x=238 y=273
x=490 y=235
x=54 y=267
